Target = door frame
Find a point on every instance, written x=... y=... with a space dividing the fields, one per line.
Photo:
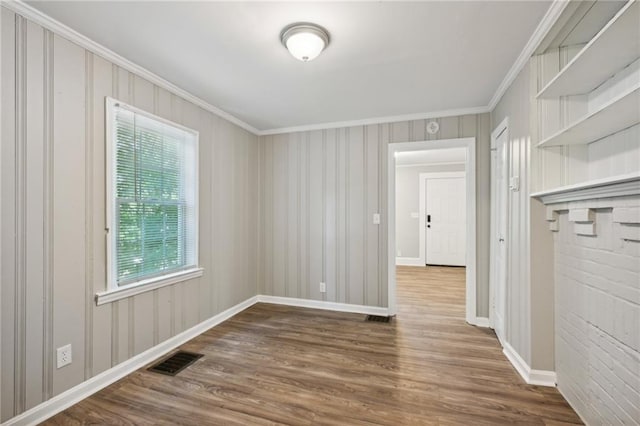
x=470 y=178
x=503 y=127
x=423 y=206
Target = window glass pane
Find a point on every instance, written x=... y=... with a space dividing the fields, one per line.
x=155 y=189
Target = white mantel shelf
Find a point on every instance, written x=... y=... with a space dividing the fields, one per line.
x=616 y=186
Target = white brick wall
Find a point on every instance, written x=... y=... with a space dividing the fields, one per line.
x=597 y=302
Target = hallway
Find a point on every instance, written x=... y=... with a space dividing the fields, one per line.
x=277 y=364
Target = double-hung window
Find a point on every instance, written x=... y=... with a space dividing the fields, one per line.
x=152 y=192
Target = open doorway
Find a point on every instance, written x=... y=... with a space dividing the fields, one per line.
x=418 y=241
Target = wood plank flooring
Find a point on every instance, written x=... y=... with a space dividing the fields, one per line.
x=282 y=365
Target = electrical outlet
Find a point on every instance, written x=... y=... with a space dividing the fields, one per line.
x=64 y=355
x=323 y=287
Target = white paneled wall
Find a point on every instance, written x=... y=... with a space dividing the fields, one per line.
x=53 y=217
x=320 y=191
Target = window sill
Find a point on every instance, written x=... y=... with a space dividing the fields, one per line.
x=147 y=285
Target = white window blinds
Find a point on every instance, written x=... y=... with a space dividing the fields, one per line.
x=154 y=191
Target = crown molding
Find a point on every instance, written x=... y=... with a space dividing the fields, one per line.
x=38 y=17
x=377 y=120
x=545 y=25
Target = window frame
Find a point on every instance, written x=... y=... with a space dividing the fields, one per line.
x=113 y=291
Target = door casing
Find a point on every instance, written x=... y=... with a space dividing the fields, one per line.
x=470 y=167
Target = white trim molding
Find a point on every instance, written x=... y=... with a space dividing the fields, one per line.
x=378 y=120
x=616 y=186
x=545 y=25
x=470 y=173
x=40 y=18
x=87 y=388
x=480 y=322
x=147 y=285
x=409 y=261
x=321 y=304
x=530 y=376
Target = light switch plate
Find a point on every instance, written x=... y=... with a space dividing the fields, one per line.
x=376 y=218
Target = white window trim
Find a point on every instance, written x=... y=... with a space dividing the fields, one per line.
x=112 y=291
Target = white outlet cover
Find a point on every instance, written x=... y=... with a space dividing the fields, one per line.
x=64 y=356
x=376 y=218
x=323 y=287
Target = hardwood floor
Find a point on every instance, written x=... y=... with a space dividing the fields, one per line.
x=275 y=364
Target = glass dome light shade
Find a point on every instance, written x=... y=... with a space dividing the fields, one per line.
x=305 y=41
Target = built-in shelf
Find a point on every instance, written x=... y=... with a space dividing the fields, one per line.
x=619 y=113
x=614 y=186
x=614 y=47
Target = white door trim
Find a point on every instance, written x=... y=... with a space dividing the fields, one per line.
x=422 y=222
x=470 y=168
x=500 y=128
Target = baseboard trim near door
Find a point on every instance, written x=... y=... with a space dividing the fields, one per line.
x=480 y=322
x=321 y=304
x=531 y=376
x=87 y=388
x=409 y=261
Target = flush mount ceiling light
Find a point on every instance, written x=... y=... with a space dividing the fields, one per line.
x=305 y=41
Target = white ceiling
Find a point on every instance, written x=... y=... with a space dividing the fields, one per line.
x=384 y=59
x=431 y=156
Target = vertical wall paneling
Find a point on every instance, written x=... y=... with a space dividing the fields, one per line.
x=69 y=208
x=372 y=282
x=345 y=182
x=48 y=185
x=330 y=212
x=88 y=195
x=8 y=157
x=101 y=332
x=52 y=217
x=316 y=204
x=20 y=213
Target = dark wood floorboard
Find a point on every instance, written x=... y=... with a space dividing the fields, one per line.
x=283 y=365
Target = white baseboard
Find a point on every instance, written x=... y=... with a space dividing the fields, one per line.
x=532 y=377
x=480 y=322
x=409 y=261
x=321 y=304
x=87 y=388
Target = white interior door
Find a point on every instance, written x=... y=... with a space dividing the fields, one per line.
x=445 y=236
x=500 y=168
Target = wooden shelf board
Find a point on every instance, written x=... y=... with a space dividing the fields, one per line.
x=618 y=114
x=613 y=48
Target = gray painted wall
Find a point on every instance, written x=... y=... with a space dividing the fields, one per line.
x=529 y=328
x=408 y=201
x=53 y=217
x=320 y=190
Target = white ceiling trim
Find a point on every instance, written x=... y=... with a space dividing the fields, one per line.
x=378 y=120
x=62 y=30
x=72 y=35
x=435 y=163
x=549 y=18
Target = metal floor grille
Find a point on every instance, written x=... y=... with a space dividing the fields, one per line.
x=175 y=363
x=378 y=318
